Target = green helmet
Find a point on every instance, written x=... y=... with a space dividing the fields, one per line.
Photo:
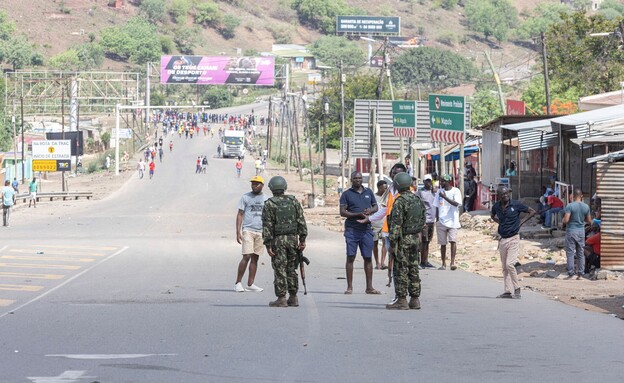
x=278 y=183
x=403 y=181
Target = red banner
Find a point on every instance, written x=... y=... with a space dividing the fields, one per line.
x=516 y=108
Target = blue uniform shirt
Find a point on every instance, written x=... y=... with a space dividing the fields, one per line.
x=509 y=218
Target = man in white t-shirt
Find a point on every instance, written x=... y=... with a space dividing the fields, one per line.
x=249 y=233
x=447 y=201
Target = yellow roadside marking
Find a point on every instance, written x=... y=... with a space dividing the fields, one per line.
x=30 y=275
x=20 y=287
x=104 y=248
x=53 y=252
x=38 y=266
x=39 y=258
x=5 y=302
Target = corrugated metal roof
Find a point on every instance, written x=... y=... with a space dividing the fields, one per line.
x=609 y=157
x=535 y=139
x=527 y=125
x=594 y=116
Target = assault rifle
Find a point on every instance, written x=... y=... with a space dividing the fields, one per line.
x=303 y=260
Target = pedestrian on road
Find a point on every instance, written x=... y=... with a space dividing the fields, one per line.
x=141 y=168
x=32 y=187
x=8 y=200
x=204 y=164
x=427 y=196
x=358 y=202
x=406 y=221
x=378 y=230
x=152 y=167
x=506 y=212
x=577 y=214
x=239 y=167
x=15 y=185
x=258 y=165
x=284 y=232
x=249 y=233
x=447 y=200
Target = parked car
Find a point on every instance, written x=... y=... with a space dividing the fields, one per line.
x=366 y=177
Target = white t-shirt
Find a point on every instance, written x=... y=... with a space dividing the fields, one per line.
x=448 y=214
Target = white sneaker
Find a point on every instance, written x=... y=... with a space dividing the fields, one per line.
x=239 y=288
x=254 y=288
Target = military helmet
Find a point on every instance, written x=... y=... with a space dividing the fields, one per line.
x=278 y=183
x=402 y=181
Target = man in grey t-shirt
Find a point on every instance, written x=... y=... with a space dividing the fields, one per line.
x=249 y=233
x=574 y=220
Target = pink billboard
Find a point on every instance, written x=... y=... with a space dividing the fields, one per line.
x=217 y=70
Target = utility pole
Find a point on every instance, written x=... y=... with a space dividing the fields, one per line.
x=325 y=111
x=498 y=83
x=343 y=79
x=22 y=123
x=546 y=81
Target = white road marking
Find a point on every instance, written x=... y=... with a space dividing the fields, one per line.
x=65 y=282
x=106 y=356
x=70 y=376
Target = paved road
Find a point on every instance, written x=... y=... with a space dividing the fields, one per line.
x=139 y=288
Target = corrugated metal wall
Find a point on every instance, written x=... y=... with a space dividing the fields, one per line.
x=610 y=188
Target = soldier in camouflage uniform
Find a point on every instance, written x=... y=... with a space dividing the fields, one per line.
x=405 y=224
x=284 y=232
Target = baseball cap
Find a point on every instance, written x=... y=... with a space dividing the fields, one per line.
x=427 y=177
x=257 y=179
x=447 y=177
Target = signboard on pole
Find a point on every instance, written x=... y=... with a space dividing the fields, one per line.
x=51 y=156
x=447 y=118
x=217 y=70
x=516 y=108
x=368 y=25
x=404 y=118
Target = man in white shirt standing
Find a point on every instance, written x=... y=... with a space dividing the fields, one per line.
x=447 y=201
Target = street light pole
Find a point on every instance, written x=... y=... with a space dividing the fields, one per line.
x=325 y=111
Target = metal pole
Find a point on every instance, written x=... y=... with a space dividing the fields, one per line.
x=117 y=118
x=343 y=79
x=326 y=110
x=22 y=123
x=546 y=81
x=14 y=142
x=63 y=130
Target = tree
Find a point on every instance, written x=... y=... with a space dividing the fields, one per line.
x=431 y=68
x=217 y=97
x=228 y=27
x=611 y=9
x=321 y=14
x=484 y=107
x=535 y=97
x=137 y=41
x=179 y=10
x=154 y=10
x=542 y=17
x=207 y=14
x=493 y=18
x=583 y=62
x=17 y=52
x=330 y=50
x=186 y=39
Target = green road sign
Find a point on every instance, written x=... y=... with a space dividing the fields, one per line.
x=447 y=112
x=404 y=114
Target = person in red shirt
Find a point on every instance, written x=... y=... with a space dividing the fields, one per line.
x=152 y=166
x=592 y=252
x=555 y=205
x=239 y=167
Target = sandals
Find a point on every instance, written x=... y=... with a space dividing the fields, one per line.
x=373 y=291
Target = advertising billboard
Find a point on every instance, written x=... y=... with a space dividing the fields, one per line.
x=368 y=25
x=217 y=70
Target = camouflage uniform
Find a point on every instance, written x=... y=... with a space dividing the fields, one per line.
x=283 y=228
x=406 y=222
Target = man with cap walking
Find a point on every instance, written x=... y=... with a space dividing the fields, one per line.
x=427 y=195
x=284 y=231
x=447 y=201
x=249 y=233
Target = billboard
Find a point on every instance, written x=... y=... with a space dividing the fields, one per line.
x=368 y=25
x=217 y=70
x=516 y=108
x=77 y=142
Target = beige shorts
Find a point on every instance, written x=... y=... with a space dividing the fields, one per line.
x=252 y=242
x=445 y=234
x=377 y=233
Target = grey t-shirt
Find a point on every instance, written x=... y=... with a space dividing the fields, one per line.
x=578 y=211
x=251 y=204
x=427 y=197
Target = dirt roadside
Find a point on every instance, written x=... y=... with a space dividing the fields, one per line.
x=542 y=257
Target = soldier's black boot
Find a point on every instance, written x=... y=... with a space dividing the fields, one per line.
x=279 y=302
x=399 y=304
x=414 y=303
x=293 y=301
